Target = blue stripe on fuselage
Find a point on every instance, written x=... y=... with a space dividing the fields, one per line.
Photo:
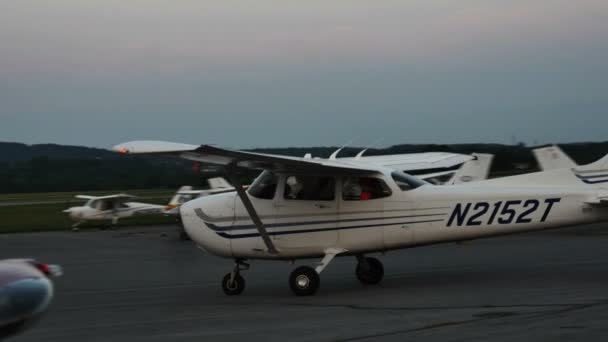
x=288 y=232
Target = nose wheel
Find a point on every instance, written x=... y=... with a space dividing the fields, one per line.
x=233 y=284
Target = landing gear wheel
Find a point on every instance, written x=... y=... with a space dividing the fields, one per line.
x=370 y=273
x=234 y=287
x=182 y=233
x=304 y=281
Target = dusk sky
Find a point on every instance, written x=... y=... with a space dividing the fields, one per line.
x=303 y=73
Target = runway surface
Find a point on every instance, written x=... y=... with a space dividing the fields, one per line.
x=143 y=284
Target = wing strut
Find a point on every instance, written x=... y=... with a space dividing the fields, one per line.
x=251 y=211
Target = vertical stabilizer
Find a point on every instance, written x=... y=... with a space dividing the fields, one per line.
x=552 y=158
x=219 y=183
x=176 y=200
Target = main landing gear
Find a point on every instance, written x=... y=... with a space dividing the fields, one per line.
x=369 y=271
x=305 y=280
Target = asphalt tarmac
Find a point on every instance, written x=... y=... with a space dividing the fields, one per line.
x=143 y=284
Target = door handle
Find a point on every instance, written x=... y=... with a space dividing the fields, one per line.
x=322 y=206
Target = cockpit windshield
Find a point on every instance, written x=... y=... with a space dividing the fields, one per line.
x=264 y=186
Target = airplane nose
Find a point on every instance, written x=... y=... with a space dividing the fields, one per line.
x=25 y=298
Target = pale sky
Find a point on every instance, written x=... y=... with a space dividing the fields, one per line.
x=273 y=73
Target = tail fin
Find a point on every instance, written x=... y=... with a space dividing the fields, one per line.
x=552 y=157
x=176 y=200
x=219 y=183
x=473 y=170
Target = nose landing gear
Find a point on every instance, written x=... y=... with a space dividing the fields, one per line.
x=233 y=283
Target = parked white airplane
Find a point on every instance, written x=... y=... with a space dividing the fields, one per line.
x=301 y=208
x=552 y=157
x=110 y=208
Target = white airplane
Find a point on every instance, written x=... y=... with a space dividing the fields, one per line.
x=110 y=208
x=552 y=157
x=302 y=208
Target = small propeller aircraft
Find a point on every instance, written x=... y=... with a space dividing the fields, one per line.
x=303 y=208
x=26 y=291
x=110 y=208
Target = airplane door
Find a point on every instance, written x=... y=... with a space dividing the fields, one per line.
x=362 y=212
x=306 y=213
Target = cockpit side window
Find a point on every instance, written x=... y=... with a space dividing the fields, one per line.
x=264 y=186
x=406 y=182
x=364 y=189
x=309 y=188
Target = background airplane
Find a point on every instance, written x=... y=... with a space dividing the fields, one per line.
x=26 y=292
x=110 y=208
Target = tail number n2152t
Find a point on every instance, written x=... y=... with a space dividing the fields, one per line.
x=502 y=212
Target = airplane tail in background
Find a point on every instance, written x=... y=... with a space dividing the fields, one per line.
x=473 y=170
x=552 y=158
x=219 y=183
x=176 y=200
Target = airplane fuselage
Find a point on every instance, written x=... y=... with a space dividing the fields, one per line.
x=422 y=216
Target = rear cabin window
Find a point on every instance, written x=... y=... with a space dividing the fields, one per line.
x=264 y=186
x=364 y=189
x=309 y=188
x=406 y=182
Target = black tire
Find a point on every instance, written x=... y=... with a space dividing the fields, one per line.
x=183 y=235
x=304 y=281
x=237 y=286
x=371 y=275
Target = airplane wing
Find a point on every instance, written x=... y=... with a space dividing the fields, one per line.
x=473 y=170
x=433 y=161
x=240 y=159
x=249 y=160
x=84 y=197
x=108 y=197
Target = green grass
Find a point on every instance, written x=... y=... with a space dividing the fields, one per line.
x=36 y=216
